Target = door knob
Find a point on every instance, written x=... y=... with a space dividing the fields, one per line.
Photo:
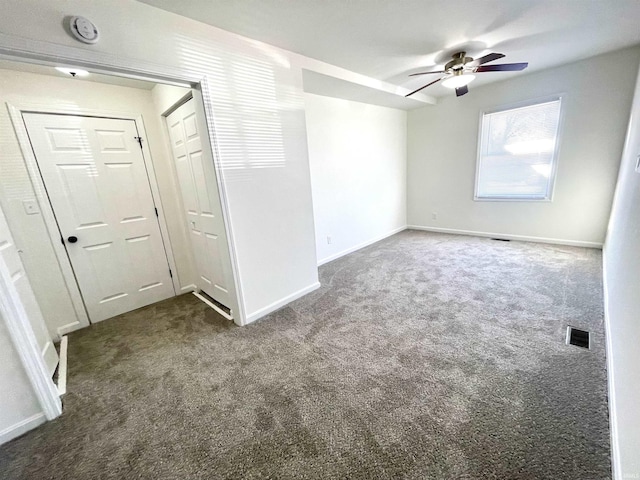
x=72 y=239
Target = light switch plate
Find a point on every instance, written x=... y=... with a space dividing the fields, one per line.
x=30 y=207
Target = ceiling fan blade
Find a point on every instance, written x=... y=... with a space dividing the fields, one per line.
x=486 y=59
x=503 y=67
x=462 y=91
x=416 y=91
x=425 y=73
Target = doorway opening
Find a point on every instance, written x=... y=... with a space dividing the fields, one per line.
x=29 y=214
x=107 y=212
x=123 y=187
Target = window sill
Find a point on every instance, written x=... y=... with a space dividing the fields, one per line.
x=512 y=199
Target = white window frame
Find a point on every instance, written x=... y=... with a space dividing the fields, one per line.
x=556 y=151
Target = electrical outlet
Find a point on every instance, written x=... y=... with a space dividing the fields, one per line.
x=434 y=216
x=328 y=239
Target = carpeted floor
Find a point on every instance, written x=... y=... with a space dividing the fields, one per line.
x=424 y=356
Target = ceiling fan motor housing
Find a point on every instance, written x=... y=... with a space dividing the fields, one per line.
x=456 y=66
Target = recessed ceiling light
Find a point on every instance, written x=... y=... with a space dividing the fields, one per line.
x=74 y=72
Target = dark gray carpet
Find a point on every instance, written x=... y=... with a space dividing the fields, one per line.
x=425 y=356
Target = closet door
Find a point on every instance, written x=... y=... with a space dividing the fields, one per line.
x=198 y=186
x=97 y=183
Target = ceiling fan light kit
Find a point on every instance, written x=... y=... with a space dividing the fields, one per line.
x=458 y=72
x=458 y=80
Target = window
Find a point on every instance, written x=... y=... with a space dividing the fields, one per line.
x=516 y=158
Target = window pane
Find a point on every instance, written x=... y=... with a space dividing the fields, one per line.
x=516 y=152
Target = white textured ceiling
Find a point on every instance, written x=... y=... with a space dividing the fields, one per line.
x=387 y=39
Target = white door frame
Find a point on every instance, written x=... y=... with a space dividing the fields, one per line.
x=34 y=51
x=15 y=112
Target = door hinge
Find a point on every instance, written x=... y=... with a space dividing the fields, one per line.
x=170 y=273
x=139 y=140
x=156 y=209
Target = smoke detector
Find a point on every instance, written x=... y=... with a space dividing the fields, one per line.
x=82 y=29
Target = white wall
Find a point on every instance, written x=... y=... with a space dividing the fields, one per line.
x=29 y=231
x=165 y=97
x=442 y=149
x=357 y=154
x=622 y=304
x=256 y=98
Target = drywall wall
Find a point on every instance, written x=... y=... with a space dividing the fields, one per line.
x=357 y=156
x=167 y=96
x=442 y=149
x=24 y=89
x=622 y=304
x=254 y=92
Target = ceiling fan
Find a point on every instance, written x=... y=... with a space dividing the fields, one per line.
x=459 y=71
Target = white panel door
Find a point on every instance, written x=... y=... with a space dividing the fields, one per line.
x=196 y=175
x=17 y=282
x=97 y=183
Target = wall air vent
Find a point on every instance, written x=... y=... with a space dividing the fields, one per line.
x=577 y=337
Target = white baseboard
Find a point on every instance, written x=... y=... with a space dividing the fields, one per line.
x=613 y=425
x=62 y=366
x=359 y=246
x=19 y=428
x=188 y=288
x=524 y=238
x=214 y=306
x=68 y=328
x=281 y=303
